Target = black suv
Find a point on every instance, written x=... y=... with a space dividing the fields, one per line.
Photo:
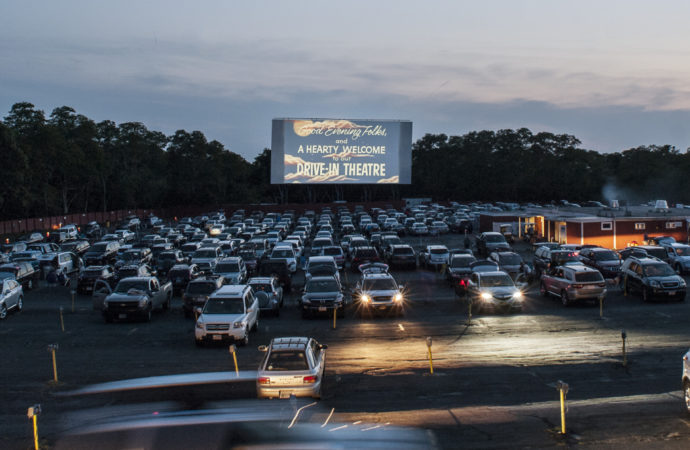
x=545 y=257
x=651 y=278
x=604 y=260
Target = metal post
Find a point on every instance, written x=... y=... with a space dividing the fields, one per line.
x=32 y=413
x=601 y=307
x=469 y=311
x=51 y=349
x=431 y=361
x=334 y=314
x=73 y=292
x=625 y=356
x=62 y=322
x=563 y=390
x=234 y=357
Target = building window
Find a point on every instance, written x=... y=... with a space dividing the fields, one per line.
x=607 y=226
x=639 y=226
x=670 y=225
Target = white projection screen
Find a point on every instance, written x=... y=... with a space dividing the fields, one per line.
x=341 y=151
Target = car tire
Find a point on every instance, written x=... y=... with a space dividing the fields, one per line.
x=20 y=304
x=29 y=284
x=148 y=315
x=564 y=298
x=199 y=342
x=645 y=294
x=166 y=304
x=255 y=327
x=245 y=340
x=542 y=290
x=679 y=269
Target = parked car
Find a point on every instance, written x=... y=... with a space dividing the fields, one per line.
x=268 y=293
x=166 y=260
x=655 y=251
x=136 y=297
x=509 y=262
x=321 y=266
x=434 y=256
x=604 y=260
x=198 y=291
x=134 y=270
x=491 y=241
x=573 y=283
x=401 y=255
x=206 y=258
x=11 y=296
x=459 y=270
x=230 y=313
x=322 y=295
x=652 y=278
x=685 y=381
x=181 y=274
x=22 y=271
x=494 y=291
x=678 y=257
x=87 y=278
x=292 y=366
x=232 y=269
x=79 y=247
x=546 y=257
x=418 y=229
x=279 y=269
x=101 y=253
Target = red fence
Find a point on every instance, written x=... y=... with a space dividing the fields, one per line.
x=19 y=226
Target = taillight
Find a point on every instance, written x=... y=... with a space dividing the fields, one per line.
x=601 y=284
x=310 y=379
x=264 y=380
x=462 y=282
x=577 y=286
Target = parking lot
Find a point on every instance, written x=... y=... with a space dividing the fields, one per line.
x=494 y=375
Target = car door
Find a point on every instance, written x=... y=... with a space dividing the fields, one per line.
x=252 y=307
x=634 y=277
x=101 y=289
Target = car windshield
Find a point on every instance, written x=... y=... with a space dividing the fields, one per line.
x=166 y=255
x=245 y=254
x=189 y=247
x=461 y=262
x=228 y=267
x=605 y=256
x=224 y=306
x=560 y=258
x=287 y=360
x=205 y=253
x=125 y=285
x=438 y=251
x=201 y=288
x=584 y=277
x=379 y=284
x=332 y=251
x=322 y=286
x=366 y=253
x=264 y=287
x=511 y=260
x=658 y=270
x=403 y=251
x=282 y=253
x=99 y=247
x=682 y=251
x=131 y=256
x=6 y=275
x=495 y=281
x=494 y=238
x=92 y=273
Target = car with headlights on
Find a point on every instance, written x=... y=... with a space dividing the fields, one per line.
x=377 y=291
x=494 y=291
x=291 y=366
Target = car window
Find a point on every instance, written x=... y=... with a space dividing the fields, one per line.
x=584 y=277
x=224 y=306
x=379 y=284
x=287 y=360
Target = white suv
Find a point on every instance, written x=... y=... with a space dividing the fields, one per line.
x=686 y=380
x=231 y=312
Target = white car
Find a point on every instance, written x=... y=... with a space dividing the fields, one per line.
x=435 y=256
x=292 y=366
x=686 y=380
x=11 y=296
x=230 y=313
x=286 y=253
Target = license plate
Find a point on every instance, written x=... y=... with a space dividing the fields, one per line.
x=122 y=316
x=284 y=394
x=322 y=308
x=217 y=337
x=671 y=292
x=178 y=280
x=383 y=308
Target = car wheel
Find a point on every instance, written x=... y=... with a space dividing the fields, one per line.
x=166 y=304
x=245 y=340
x=30 y=284
x=542 y=290
x=3 y=311
x=564 y=298
x=686 y=395
x=148 y=315
x=255 y=327
x=20 y=303
x=645 y=294
x=199 y=342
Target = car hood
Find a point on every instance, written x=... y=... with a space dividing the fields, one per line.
x=382 y=293
x=117 y=297
x=668 y=279
x=503 y=292
x=222 y=318
x=320 y=295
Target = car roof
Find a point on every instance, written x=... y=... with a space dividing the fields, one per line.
x=437 y=246
x=289 y=343
x=494 y=272
x=315 y=259
x=259 y=280
x=377 y=275
x=231 y=289
x=579 y=268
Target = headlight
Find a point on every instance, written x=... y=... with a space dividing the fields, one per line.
x=654 y=283
x=238 y=324
x=365 y=298
x=199 y=325
x=143 y=301
x=517 y=295
x=486 y=296
x=682 y=283
x=398 y=297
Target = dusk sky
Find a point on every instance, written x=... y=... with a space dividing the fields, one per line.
x=613 y=73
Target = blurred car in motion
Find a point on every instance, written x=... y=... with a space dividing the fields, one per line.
x=291 y=366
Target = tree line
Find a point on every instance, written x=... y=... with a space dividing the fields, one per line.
x=67 y=163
